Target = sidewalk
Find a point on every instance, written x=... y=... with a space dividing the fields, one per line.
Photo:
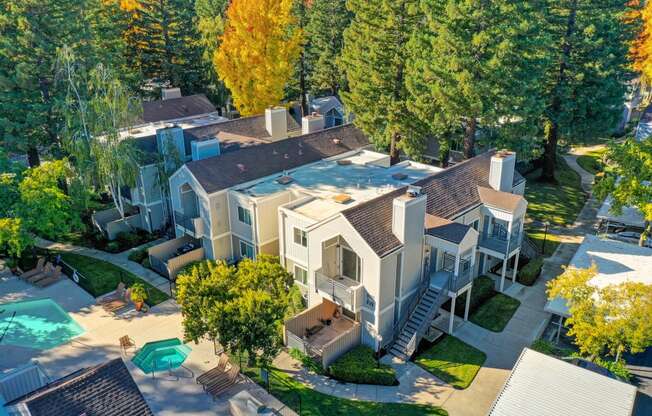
x=118 y=259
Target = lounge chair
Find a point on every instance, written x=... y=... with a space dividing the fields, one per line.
x=118 y=294
x=44 y=273
x=126 y=342
x=224 y=383
x=53 y=277
x=114 y=305
x=214 y=373
x=36 y=270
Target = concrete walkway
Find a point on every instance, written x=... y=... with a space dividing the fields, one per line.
x=118 y=259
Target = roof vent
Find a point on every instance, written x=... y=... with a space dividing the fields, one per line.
x=284 y=180
x=399 y=176
x=337 y=141
x=344 y=162
x=413 y=191
x=286 y=156
x=342 y=198
x=241 y=167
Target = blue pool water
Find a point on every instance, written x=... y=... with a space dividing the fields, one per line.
x=41 y=324
x=161 y=355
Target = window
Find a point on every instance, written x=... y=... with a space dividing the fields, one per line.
x=244 y=215
x=475 y=224
x=300 y=275
x=397 y=287
x=246 y=250
x=300 y=237
x=370 y=302
x=350 y=264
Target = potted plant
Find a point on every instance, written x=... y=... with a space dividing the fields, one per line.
x=138 y=295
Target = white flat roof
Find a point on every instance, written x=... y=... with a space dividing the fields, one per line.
x=630 y=216
x=364 y=176
x=617 y=262
x=149 y=129
x=540 y=385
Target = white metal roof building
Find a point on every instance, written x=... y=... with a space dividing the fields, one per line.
x=629 y=216
x=540 y=385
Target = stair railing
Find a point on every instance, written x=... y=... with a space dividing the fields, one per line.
x=413 y=305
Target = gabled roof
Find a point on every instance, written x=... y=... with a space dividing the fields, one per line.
x=175 y=108
x=323 y=105
x=450 y=192
x=237 y=167
x=103 y=390
x=446 y=229
x=502 y=200
x=540 y=385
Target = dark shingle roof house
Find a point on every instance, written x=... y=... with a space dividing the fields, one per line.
x=104 y=390
x=450 y=192
x=175 y=108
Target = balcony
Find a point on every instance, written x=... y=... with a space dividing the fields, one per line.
x=192 y=225
x=499 y=242
x=170 y=257
x=445 y=277
x=340 y=289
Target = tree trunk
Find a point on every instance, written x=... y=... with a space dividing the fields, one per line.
x=393 y=149
x=549 y=152
x=302 y=86
x=32 y=157
x=469 y=138
x=645 y=234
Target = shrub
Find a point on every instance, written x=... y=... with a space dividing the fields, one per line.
x=308 y=362
x=128 y=239
x=361 y=367
x=139 y=255
x=616 y=368
x=146 y=263
x=113 y=247
x=546 y=347
x=530 y=272
x=483 y=289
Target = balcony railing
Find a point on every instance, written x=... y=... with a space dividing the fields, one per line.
x=193 y=225
x=342 y=290
x=499 y=242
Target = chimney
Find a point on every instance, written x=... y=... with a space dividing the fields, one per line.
x=312 y=123
x=501 y=172
x=276 y=123
x=408 y=216
x=203 y=149
x=168 y=93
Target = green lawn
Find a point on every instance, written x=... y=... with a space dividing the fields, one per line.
x=103 y=277
x=592 y=161
x=314 y=403
x=495 y=313
x=453 y=361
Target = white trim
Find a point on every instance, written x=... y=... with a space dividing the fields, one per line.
x=260 y=244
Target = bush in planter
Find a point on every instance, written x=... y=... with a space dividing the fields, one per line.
x=529 y=273
x=361 y=367
x=138 y=294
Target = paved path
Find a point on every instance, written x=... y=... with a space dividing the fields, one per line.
x=118 y=259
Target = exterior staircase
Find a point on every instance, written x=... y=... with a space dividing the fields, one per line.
x=423 y=311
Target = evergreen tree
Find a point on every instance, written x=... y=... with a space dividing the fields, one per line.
x=327 y=21
x=163 y=43
x=586 y=79
x=374 y=58
x=475 y=64
x=210 y=24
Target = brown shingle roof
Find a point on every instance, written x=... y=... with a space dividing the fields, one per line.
x=230 y=169
x=501 y=200
x=450 y=192
x=174 y=108
x=445 y=229
x=104 y=390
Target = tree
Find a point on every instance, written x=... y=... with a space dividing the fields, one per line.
x=244 y=308
x=298 y=85
x=641 y=49
x=476 y=63
x=613 y=319
x=210 y=25
x=44 y=206
x=255 y=61
x=14 y=239
x=586 y=79
x=630 y=180
x=327 y=21
x=374 y=59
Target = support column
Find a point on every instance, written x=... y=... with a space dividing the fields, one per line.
x=452 y=318
x=502 y=275
x=518 y=254
x=468 y=303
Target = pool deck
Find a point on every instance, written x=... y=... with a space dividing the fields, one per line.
x=166 y=395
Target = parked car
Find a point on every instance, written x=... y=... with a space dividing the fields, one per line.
x=630 y=237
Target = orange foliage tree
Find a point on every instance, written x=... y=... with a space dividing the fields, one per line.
x=257 y=53
x=642 y=47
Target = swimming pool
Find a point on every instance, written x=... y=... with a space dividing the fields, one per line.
x=40 y=323
x=161 y=355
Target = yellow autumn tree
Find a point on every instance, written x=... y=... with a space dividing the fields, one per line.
x=641 y=50
x=258 y=52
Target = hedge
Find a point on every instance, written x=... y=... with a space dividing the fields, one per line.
x=530 y=272
x=361 y=367
x=483 y=289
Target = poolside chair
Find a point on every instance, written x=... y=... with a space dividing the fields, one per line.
x=119 y=293
x=114 y=305
x=126 y=342
x=221 y=385
x=214 y=373
x=44 y=273
x=36 y=270
x=49 y=279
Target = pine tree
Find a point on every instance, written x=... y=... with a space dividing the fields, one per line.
x=474 y=67
x=257 y=53
x=586 y=80
x=210 y=24
x=327 y=21
x=374 y=58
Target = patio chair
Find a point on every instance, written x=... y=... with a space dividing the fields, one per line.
x=44 y=273
x=126 y=342
x=214 y=373
x=114 y=305
x=221 y=385
x=49 y=279
x=36 y=270
x=118 y=294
